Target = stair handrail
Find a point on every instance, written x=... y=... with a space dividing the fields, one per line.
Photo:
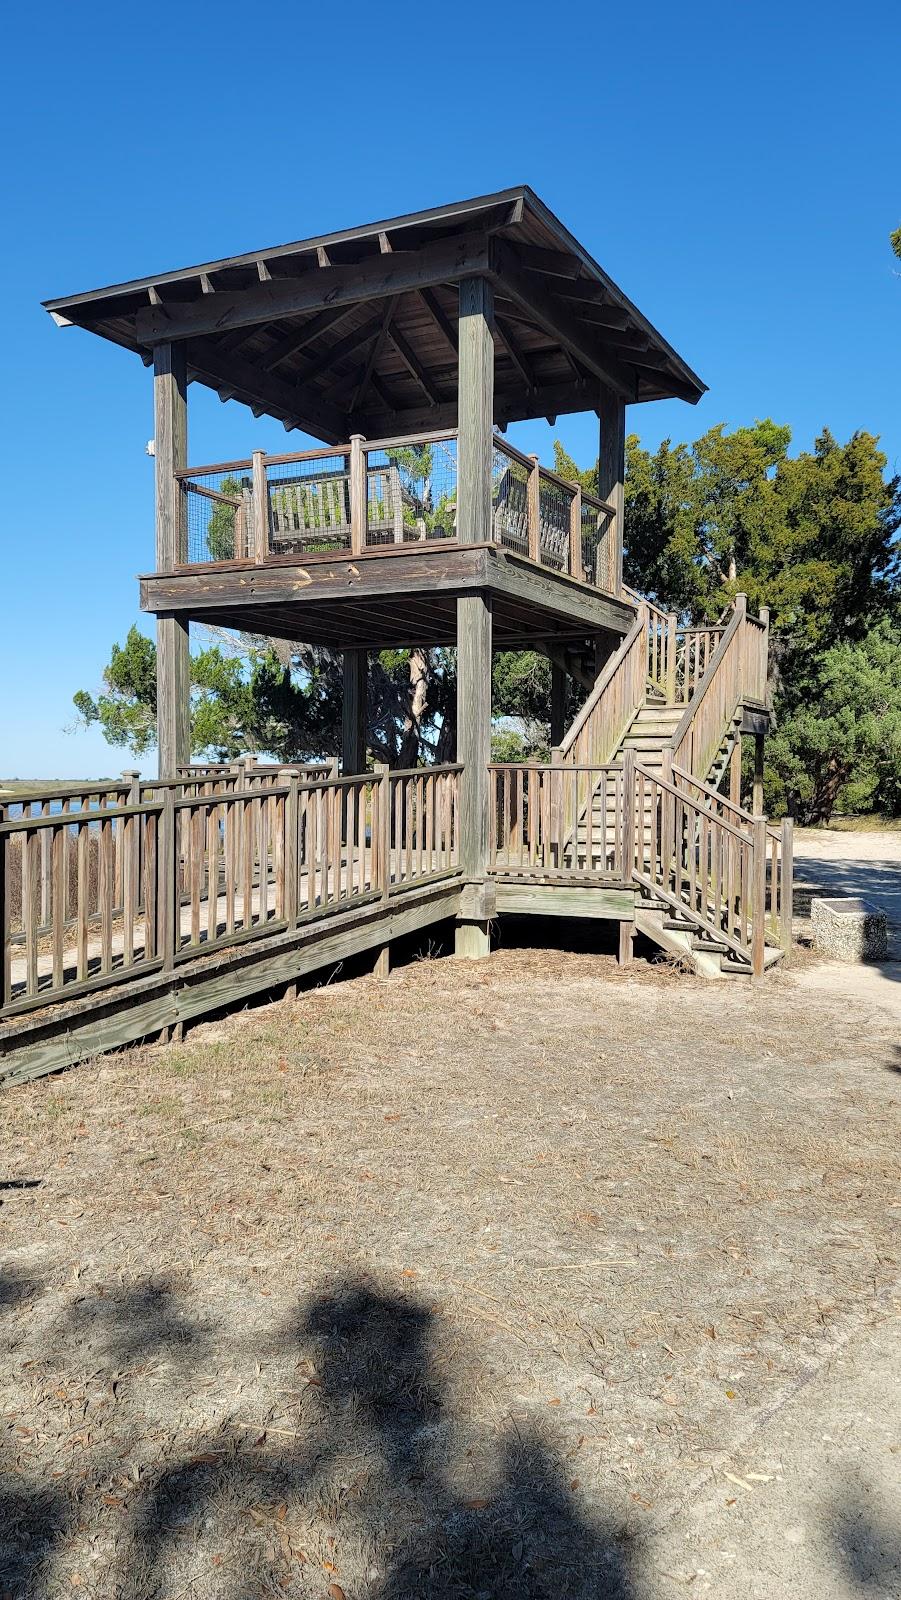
x=681 y=775
x=706 y=711
x=739 y=915
x=591 y=739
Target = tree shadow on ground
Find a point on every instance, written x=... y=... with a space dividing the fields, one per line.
x=869 y=1552
x=377 y=1464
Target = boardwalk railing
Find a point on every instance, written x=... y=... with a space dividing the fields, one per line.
x=559 y=820
x=392 y=491
x=716 y=866
x=149 y=875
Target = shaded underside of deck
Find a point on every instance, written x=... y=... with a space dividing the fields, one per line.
x=388 y=598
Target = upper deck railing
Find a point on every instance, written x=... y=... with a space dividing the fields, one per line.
x=387 y=492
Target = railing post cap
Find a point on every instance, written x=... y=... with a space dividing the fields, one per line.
x=360 y=436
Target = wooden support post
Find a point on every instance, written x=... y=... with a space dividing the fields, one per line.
x=5 y=918
x=735 y=772
x=474 y=750
x=534 y=509
x=558 y=704
x=556 y=806
x=382 y=964
x=626 y=943
x=358 y=506
x=757 y=802
x=173 y=674
x=353 y=713
x=168 y=900
x=627 y=824
x=787 y=889
x=758 y=896
x=671 y=622
x=381 y=791
x=291 y=854
x=475 y=411
x=474 y=728
x=612 y=474
x=575 y=534
x=260 y=509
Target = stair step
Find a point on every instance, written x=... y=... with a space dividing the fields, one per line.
x=681 y=925
x=711 y=945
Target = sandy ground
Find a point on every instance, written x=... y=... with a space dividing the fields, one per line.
x=828 y=863
x=521 y=1278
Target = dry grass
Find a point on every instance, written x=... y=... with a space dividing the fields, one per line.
x=453 y=1284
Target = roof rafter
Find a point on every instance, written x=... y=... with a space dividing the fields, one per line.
x=379 y=277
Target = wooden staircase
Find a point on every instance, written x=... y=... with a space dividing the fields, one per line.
x=660 y=728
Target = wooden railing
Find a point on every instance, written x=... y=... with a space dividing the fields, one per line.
x=398 y=490
x=779 y=850
x=728 y=873
x=613 y=702
x=735 y=675
x=556 y=820
x=194 y=865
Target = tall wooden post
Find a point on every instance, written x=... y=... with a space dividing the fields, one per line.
x=558 y=704
x=475 y=415
x=757 y=803
x=173 y=674
x=353 y=713
x=612 y=472
x=735 y=772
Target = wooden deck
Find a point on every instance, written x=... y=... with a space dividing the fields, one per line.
x=365 y=546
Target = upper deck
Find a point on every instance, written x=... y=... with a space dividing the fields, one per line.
x=303 y=536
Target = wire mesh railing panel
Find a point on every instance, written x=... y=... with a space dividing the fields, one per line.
x=554 y=502
x=217 y=516
x=509 y=501
x=596 y=546
x=309 y=505
x=411 y=493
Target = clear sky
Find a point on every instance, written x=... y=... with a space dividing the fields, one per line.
x=735 y=168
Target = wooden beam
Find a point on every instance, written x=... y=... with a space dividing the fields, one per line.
x=297 y=341
x=554 y=263
x=374 y=353
x=353 y=713
x=414 y=366
x=313 y=413
x=505 y=334
x=558 y=703
x=172 y=641
x=557 y=320
x=352 y=341
x=378 y=277
x=612 y=472
x=474 y=729
x=475 y=406
x=441 y=321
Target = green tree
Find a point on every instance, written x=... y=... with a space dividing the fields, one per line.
x=846 y=731
x=811 y=536
x=280 y=700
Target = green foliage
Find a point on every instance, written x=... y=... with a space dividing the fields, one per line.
x=811 y=536
x=843 y=740
x=283 y=705
x=220 y=536
x=895 y=240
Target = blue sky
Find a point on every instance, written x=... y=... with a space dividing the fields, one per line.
x=734 y=168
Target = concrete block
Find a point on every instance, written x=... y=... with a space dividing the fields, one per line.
x=849 y=929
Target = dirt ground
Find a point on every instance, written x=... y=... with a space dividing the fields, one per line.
x=524 y=1278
